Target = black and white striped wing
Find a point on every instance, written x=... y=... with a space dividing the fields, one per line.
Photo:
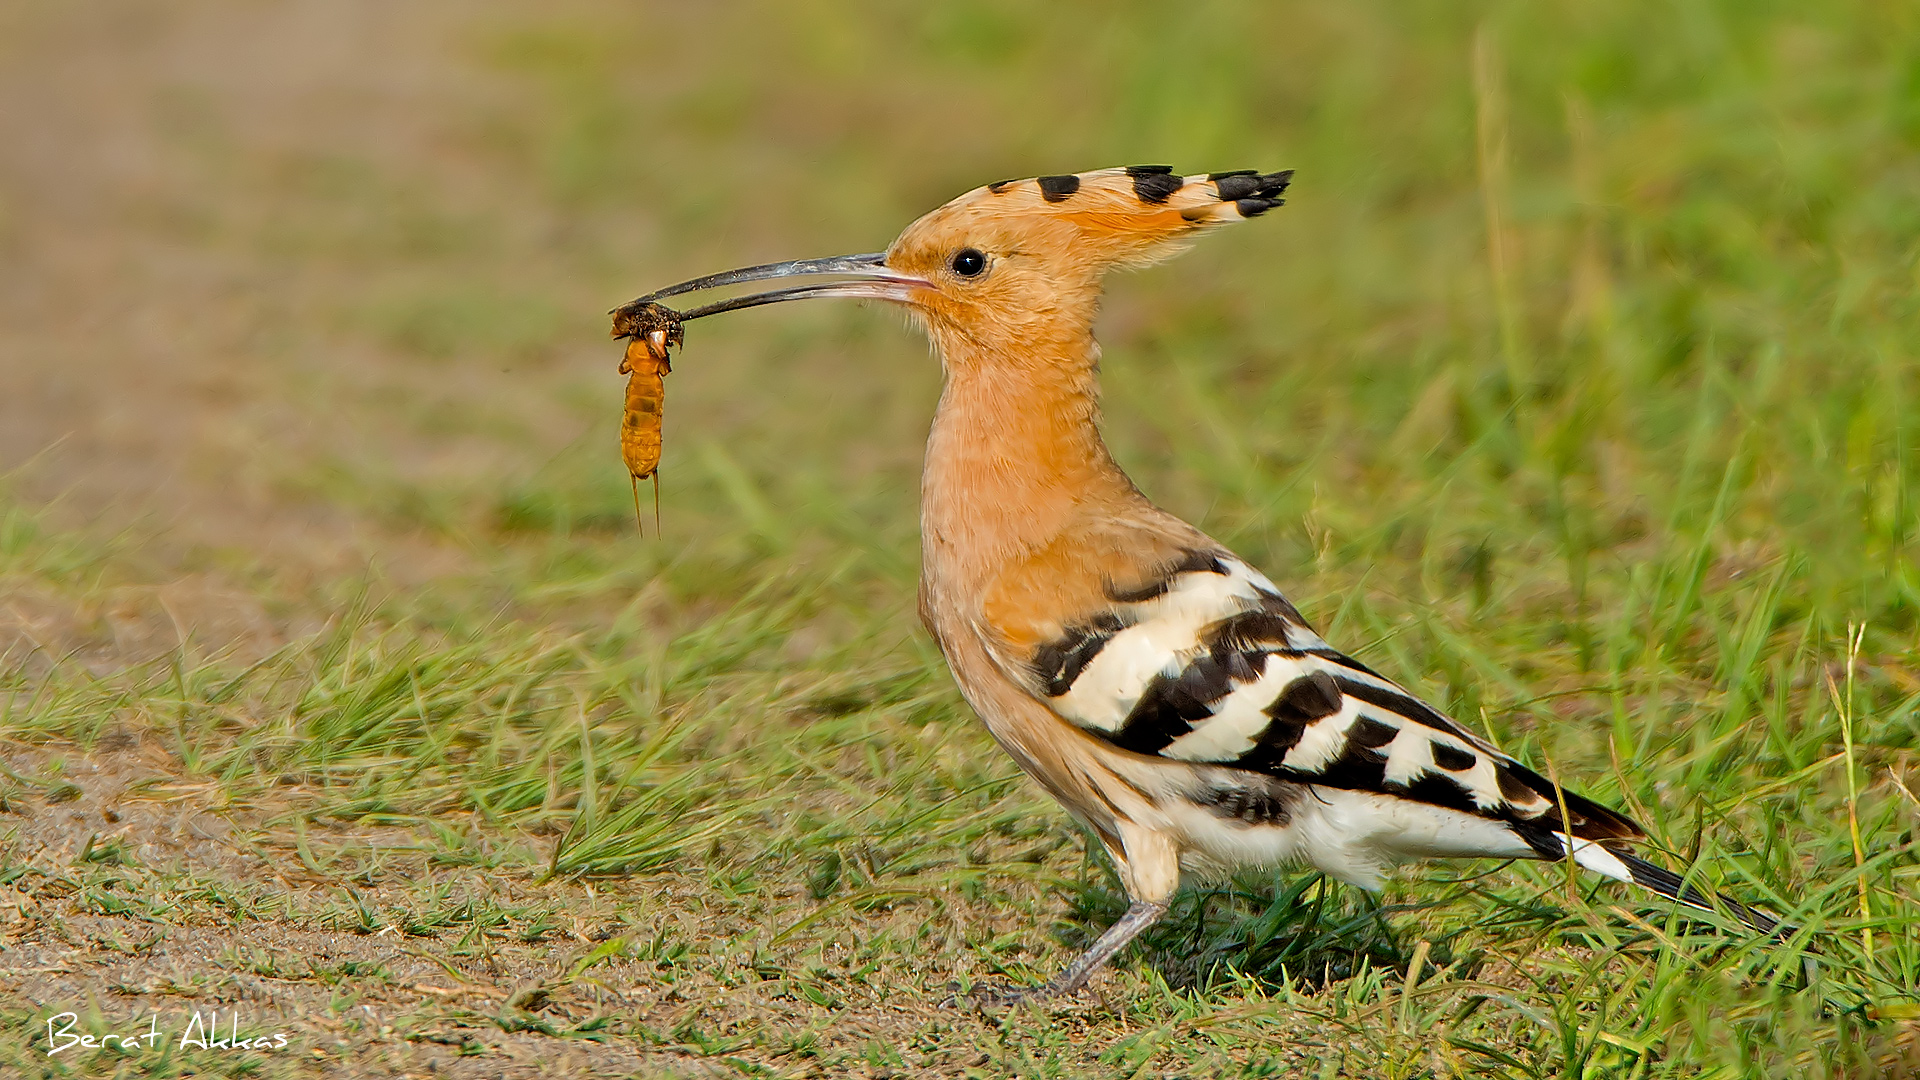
x=1213 y=666
x=1210 y=665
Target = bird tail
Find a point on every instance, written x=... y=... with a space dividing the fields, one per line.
x=1622 y=866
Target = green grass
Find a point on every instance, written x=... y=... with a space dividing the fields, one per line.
x=1578 y=387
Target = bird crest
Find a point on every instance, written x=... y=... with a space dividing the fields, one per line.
x=1115 y=216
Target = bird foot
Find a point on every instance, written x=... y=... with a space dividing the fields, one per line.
x=1000 y=995
x=994 y=995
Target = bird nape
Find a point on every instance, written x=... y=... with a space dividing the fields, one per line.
x=1162 y=689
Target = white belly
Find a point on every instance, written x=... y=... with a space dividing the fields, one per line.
x=1354 y=836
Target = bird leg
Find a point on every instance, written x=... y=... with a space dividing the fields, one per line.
x=1140 y=915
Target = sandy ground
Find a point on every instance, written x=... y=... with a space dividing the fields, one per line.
x=210 y=918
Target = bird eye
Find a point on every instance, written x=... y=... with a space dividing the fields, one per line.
x=969 y=262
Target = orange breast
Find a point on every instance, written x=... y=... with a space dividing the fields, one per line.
x=1068 y=581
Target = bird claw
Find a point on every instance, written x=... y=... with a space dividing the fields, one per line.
x=999 y=995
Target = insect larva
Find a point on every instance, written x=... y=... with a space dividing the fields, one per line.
x=652 y=330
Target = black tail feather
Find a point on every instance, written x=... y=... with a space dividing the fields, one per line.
x=1668 y=884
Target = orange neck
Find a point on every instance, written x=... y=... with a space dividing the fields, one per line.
x=1014 y=458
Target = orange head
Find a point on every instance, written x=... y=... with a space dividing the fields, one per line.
x=1010 y=261
x=1018 y=263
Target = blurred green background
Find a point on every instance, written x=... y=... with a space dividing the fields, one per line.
x=1575 y=385
x=359 y=256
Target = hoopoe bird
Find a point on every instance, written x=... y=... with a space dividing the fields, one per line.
x=1158 y=686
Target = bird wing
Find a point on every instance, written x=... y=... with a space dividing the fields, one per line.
x=1204 y=661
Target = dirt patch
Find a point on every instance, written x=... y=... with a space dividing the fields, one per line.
x=139 y=902
x=131 y=625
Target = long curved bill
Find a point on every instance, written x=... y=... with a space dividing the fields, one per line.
x=862 y=276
